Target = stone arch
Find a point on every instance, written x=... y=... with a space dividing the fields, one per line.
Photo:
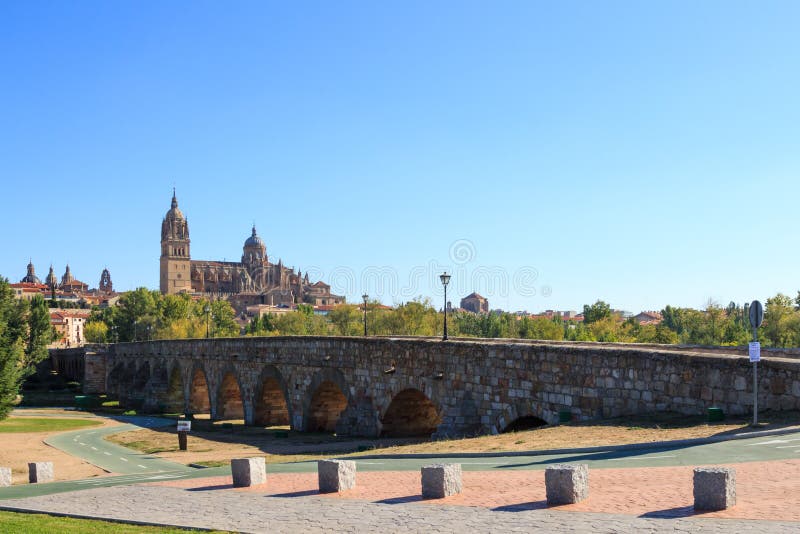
x=328 y=396
x=519 y=416
x=116 y=379
x=271 y=400
x=173 y=399
x=410 y=413
x=199 y=393
x=230 y=401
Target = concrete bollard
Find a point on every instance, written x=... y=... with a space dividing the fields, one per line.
x=714 y=488
x=566 y=484
x=39 y=472
x=441 y=480
x=5 y=476
x=248 y=471
x=336 y=475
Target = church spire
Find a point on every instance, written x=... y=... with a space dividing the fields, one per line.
x=174 y=199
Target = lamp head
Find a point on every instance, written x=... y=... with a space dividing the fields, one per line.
x=445 y=278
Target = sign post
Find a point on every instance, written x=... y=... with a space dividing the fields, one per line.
x=183 y=434
x=756 y=318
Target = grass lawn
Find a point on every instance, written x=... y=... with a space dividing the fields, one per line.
x=11 y=522
x=43 y=424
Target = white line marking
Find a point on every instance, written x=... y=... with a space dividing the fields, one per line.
x=640 y=458
x=107 y=453
x=143 y=467
x=123 y=459
x=94 y=448
x=82 y=443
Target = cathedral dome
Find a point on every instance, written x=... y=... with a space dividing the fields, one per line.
x=254 y=240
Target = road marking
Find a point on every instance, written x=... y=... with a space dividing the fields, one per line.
x=107 y=453
x=139 y=465
x=94 y=448
x=123 y=459
x=772 y=442
x=641 y=458
x=82 y=443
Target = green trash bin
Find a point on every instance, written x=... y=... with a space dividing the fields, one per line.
x=715 y=415
x=564 y=416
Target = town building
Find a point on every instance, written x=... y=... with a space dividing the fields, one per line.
x=475 y=303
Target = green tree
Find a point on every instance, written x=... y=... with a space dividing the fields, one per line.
x=96 y=332
x=596 y=312
x=25 y=332
x=346 y=319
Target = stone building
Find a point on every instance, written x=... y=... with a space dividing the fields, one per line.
x=475 y=303
x=252 y=281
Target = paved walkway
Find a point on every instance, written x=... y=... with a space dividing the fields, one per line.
x=255 y=512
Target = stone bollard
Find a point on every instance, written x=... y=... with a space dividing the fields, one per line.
x=566 y=484
x=441 y=480
x=39 y=472
x=5 y=476
x=714 y=488
x=248 y=471
x=336 y=475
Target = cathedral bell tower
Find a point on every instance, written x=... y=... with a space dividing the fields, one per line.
x=175 y=259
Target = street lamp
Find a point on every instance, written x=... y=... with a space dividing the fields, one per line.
x=365 y=296
x=445 y=278
x=207 y=309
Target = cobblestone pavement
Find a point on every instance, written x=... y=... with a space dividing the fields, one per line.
x=297 y=512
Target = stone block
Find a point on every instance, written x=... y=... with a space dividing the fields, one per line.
x=714 y=488
x=5 y=476
x=441 y=480
x=566 y=484
x=336 y=475
x=248 y=471
x=39 y=472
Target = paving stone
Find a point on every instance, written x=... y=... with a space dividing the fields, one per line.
x=441 y=480
x=566 y=483
x=714 y=488
x=336 y=475
x=248 y=471
x=39 y=472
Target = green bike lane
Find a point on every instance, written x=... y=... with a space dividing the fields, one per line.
x=132 y=467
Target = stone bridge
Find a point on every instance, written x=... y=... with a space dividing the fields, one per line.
x=420 y=386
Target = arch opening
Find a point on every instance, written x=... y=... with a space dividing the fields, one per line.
x=271 y=407
x=327 y=404
x=174 y=397
x=526 y=422
x=230 y=405
x=411 y=413
x=199 y=399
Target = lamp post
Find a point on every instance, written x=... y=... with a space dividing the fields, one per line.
x=445 y=278
x=365 y=296
x=207 y=310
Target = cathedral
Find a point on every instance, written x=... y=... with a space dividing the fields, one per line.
x=253 y=280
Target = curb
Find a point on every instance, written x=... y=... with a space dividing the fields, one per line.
x=578 y=450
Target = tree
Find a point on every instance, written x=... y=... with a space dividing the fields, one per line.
x=25 y=332
x=95 y=332
x=345 y=319
x=596 y=312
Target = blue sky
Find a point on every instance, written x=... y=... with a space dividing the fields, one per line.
x=549 y=154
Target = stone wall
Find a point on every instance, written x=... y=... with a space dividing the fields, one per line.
x=476 y=386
